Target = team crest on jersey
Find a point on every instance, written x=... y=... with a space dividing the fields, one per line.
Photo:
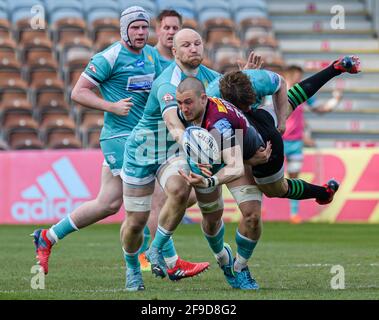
x=168 y=97
x=92 y=68
x=111 y=159
x=150 y=58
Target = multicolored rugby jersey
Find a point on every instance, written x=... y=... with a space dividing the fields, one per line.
x=229 y=126
x=150 y=143
x=264 y=83
x=119 y=74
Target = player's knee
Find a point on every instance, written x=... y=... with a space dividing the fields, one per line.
x=114 y=206
x=253 y=219
x=135 y=226
x=178 y=193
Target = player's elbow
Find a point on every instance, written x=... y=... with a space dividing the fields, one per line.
x=74 y=94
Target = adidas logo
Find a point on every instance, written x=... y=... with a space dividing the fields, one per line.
x=55 y=194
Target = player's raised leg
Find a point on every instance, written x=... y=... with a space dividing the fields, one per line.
x=302 y=91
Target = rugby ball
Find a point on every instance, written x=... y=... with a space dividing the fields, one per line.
x=200 y=146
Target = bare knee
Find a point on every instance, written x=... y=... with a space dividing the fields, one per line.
x=113 y=206
x=252 y=219
x=179 y=193
x=211 y=223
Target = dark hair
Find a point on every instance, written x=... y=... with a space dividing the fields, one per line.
x=236 y=87
x=294 y=68
x=169 y=13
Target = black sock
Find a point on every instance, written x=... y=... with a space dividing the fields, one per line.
x=302 y=91
x=299 y=190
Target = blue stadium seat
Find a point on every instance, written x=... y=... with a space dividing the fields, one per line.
x=56 y=5
x=249 y=9
x=184 y=7
x=3 y=14
x=14 y=6
x=213 y=13
x=65 y=13
x=211 y=4
x=149 y=5
x=95 y=15
x=94 y=5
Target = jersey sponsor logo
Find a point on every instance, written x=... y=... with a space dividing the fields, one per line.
x=140 y=83
x=140 y=63
x=55 y=194
x=92 y=68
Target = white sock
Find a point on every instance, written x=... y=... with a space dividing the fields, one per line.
x=240 y=263
x=171 y=261
x=222 y=257
x=50 y=234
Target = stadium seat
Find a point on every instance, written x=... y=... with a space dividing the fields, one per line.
x=21 y=106
x=149 y=5
x=91 y=138
x=75 y=50
x=53 y=121
x=19 y=122
x=20 y=10
x=54 y=6
x=104 y=27
x=184 y=7
x=190 y=24
x=249 y=9
x=218 y=30
x=24 y=140
x=10 y=68
x=66 y=26
x=213 y=13
x=201 y=5
x=254 y=28
x=230 y=48
x=228 y=64
x=91 y=120
x=36 y=48
x=101 y=6
x=5 y=27
x=50 y=99
x=62 y=139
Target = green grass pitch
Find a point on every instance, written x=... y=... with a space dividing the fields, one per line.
x=290 y=262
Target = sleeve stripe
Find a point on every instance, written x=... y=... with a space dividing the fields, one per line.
x=90 y=79
x=169 y=108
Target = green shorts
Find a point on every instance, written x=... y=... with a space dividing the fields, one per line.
x=113 y=151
